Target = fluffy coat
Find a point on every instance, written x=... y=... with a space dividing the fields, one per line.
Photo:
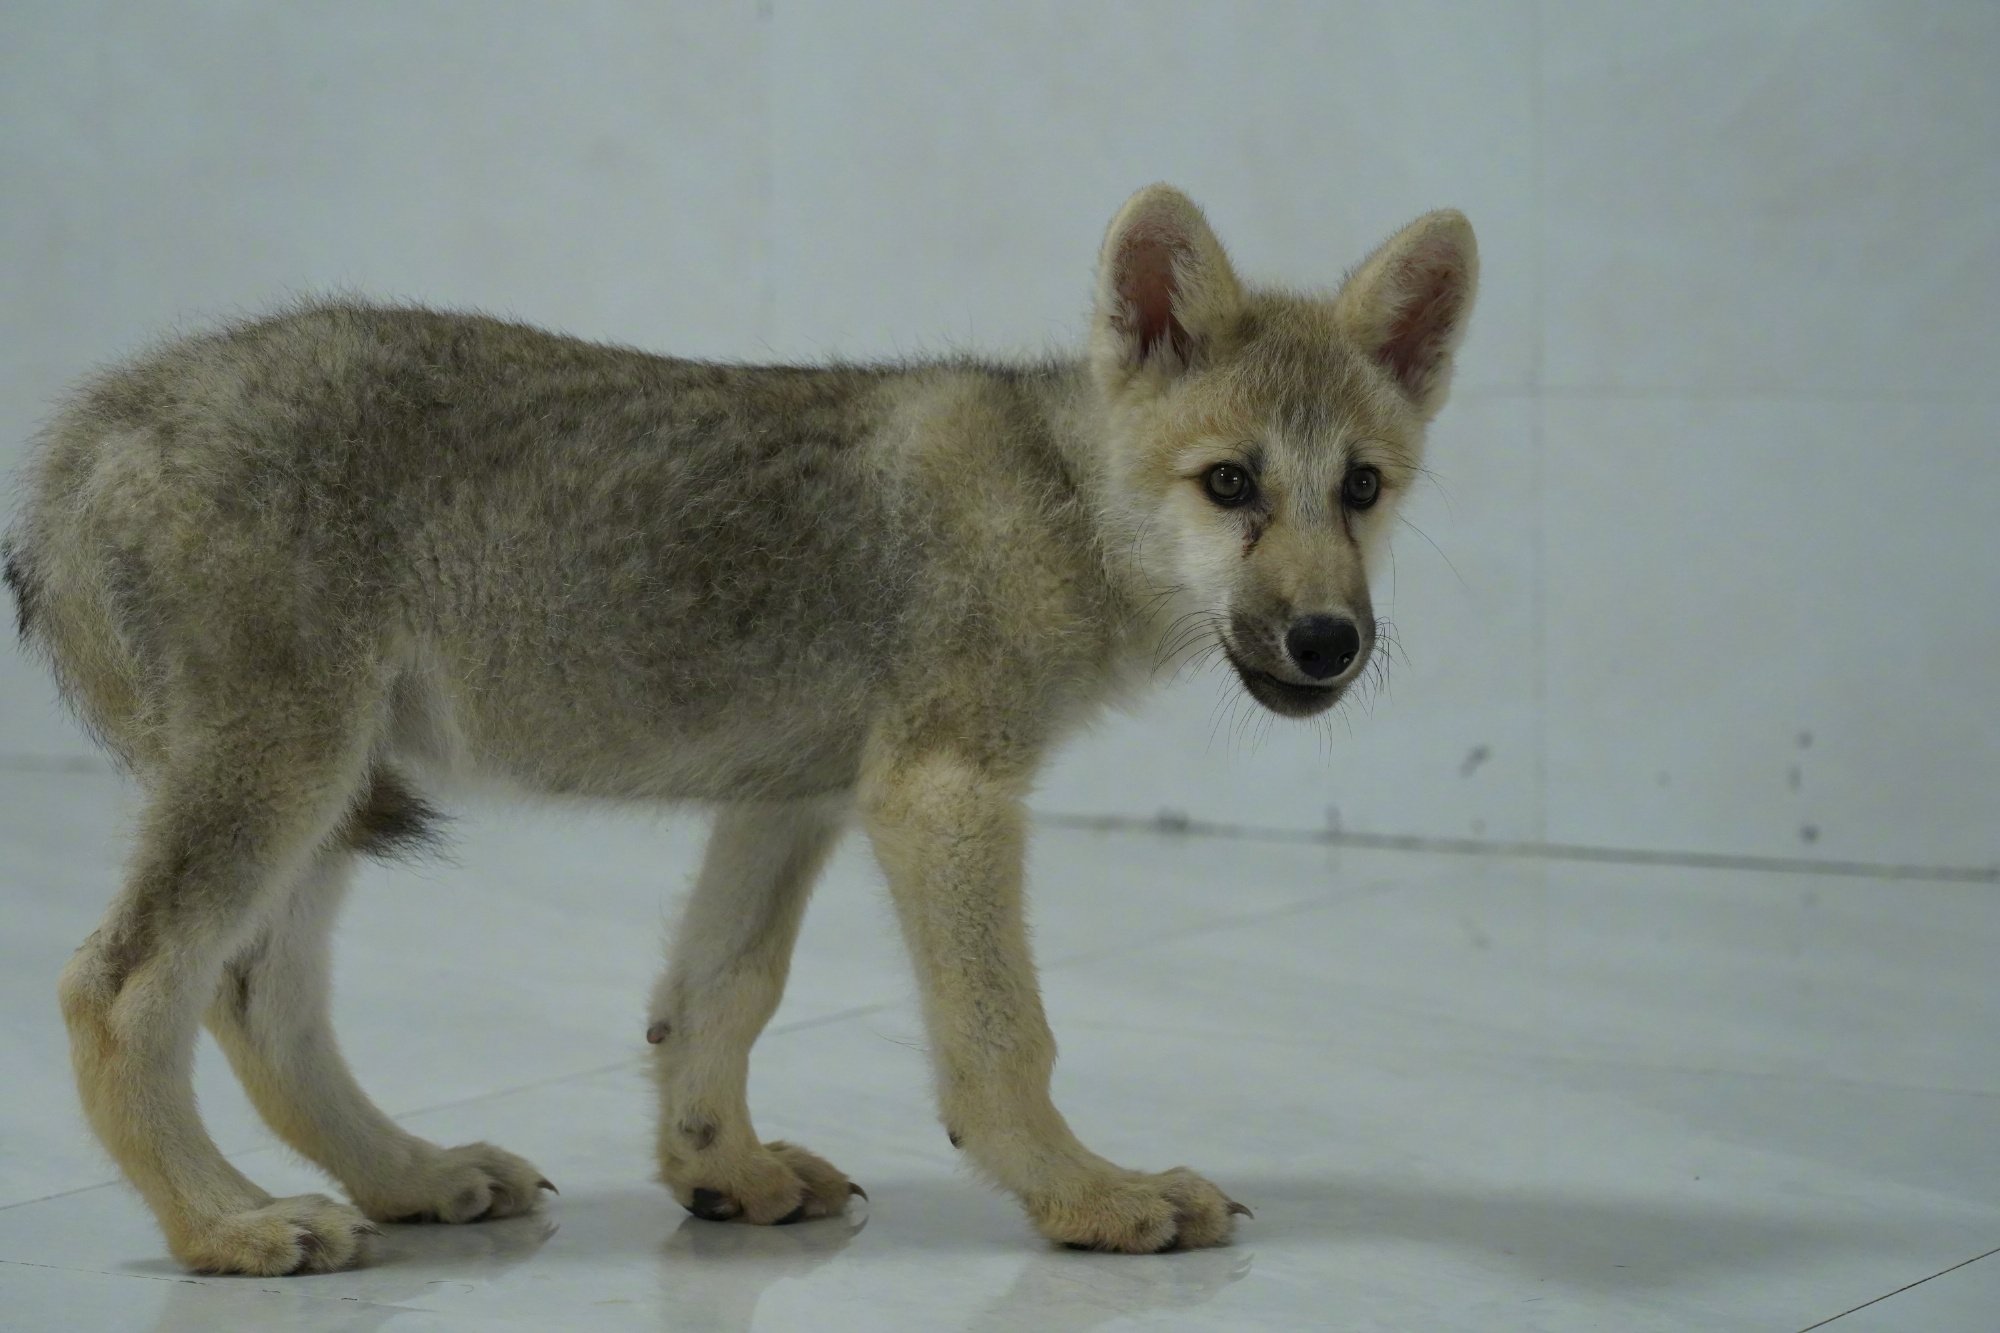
x=303 y=571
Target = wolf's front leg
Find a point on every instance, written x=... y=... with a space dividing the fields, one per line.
x=950 y=838
x=731 y=953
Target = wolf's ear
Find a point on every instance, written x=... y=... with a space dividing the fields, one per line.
x=1165 y=290
x=1406 y=306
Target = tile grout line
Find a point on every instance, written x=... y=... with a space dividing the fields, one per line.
x=1537 y=417
x=1642 y=393
x=26 y=762
x=1178 y=825
x=1900 y=1290
x=1173 y=823
x=767 y=176
x=1551 y=1058
x=1538 y=582
x=250 y=1286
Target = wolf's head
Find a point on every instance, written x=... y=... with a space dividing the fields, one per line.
x=1260 y=440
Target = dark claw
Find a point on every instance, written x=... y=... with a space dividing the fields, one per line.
x=797 y=1214
x=312 y=1248
x=547 y=1185
x=1238 y=1210
x=657 y=1033
x=952 y=1134
x=713 y=1206
x=1173 y=1243
x=368 y=1229
x=853 y=1188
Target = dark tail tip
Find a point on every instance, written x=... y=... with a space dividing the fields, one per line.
x=20 y=583
x=392 y=821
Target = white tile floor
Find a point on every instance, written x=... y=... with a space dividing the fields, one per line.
x=1460 y=1092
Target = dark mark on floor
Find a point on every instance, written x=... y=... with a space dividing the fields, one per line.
x=1474 y=757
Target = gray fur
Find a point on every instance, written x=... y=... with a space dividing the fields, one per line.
x=584 y=568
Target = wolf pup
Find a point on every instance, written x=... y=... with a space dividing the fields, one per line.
x=300 y=572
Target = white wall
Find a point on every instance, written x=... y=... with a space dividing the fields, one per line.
x=1711 y=565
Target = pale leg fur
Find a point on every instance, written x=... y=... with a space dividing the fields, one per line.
x=234 y=812
x=271 y=1015
x=951 y=839
x=730 y=957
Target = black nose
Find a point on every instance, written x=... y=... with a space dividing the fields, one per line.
x=1323 y=646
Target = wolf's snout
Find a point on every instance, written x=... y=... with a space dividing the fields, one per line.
x=1323 y=646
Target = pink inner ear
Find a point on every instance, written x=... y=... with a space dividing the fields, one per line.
x=1146 y=284
x=1431 y=298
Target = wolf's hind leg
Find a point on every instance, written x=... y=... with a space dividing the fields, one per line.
x=730 y=956
x=271 y=1015
x=233 y=816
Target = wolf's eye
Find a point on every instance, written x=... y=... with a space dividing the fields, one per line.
x=1362 y=488
x=1228 y=484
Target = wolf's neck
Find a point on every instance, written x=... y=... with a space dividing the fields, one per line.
x=1079 y=422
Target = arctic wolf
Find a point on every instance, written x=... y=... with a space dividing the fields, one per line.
x=302 y=573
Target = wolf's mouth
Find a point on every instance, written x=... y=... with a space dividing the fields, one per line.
x=1282 y=696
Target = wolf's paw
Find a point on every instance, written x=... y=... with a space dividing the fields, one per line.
x=1132 y=1213
x=776 y=1185
x=309 y=1233
x=476 y=1182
